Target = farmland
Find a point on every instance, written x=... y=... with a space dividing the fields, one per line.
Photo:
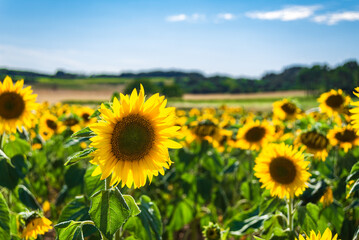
x=205 y=175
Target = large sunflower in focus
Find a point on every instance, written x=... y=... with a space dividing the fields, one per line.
x=282 y=170
x=327 y=235
x=133 y=139
x=333 y=102
x=285 y=110
x=254 y=135
x=16 y=105
x=315 y=143
x=344 y=137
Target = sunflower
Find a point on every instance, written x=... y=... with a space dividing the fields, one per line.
x=16 y=105
x=327 y=197
x=282 y=170
x=344 y=137
x=49 y=125
x=254 y=135
x=85 y=113
x=355 y=112
x=212 y=232
x=333 y=102
x=327 y=235
x=285 y=110
x=35 y=226
x=133 y=139
x=315 y=143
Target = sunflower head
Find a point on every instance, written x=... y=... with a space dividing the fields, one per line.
x=344 y=137
x=254 y=135
x=333 y=102
x=286 y=110
x=16 y=105
x=212 y=232
x=355 y=112
x=327 y=197
x=132 y=139
x=327 y=235
x=35 y=225
x=282 y=170
x=315 y=143
x=205 y=129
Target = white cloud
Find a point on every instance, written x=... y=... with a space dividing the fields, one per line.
x=195 y=17
x=333 y=18
x=290 y=13
x=177 y=18
x=225 y=16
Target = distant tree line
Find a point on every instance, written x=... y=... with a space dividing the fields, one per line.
x=314 y=79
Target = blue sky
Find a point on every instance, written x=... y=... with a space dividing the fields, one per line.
x=238 y=38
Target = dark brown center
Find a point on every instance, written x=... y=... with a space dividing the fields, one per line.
x=346 y=136
x=12 y=105
x=51 y=124
x=205 y=128
x=289 y=108
x=255 y=134
x=314 y=140
x=334 y=101
x=282 y=170
x=132 y=138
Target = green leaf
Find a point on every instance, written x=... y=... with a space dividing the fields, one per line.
x=4 y=219
x=93 y=184
x=354 y=173
x=109 y=211
x=74 y=176
x=76 y=210
x=86 y=132
x=71 y=230
x=3 y=155
x=8 y=175
x=355 y=187
x=182 y=215
x=76 y=157
x=21 y=167
x=62 y=195
x=147 y=224
x=134 y=209
x=18 y=146
x=27 y=198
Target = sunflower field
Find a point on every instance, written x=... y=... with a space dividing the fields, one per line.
x=134 y=168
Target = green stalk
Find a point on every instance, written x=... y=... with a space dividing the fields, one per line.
x=108 y=182
x=290 y=214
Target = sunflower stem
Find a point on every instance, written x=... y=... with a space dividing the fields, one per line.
x=290 y=214
x=108 y=182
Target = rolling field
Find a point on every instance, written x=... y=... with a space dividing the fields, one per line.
x=251 y=101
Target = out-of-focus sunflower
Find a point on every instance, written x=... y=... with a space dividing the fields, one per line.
x=355 y=112
x=72 y=122
x=327 y=235
x=344 y=137
x=16 y=105
x=212 y=232
x=285 y=110
x=333 y=102
x=203 y=130
x=36 y=226
x=254 y=135
x=133 y=138
x=327 y=197
x=84 y=113
x=282 y=170
x=50 y=125
x=315 y=143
